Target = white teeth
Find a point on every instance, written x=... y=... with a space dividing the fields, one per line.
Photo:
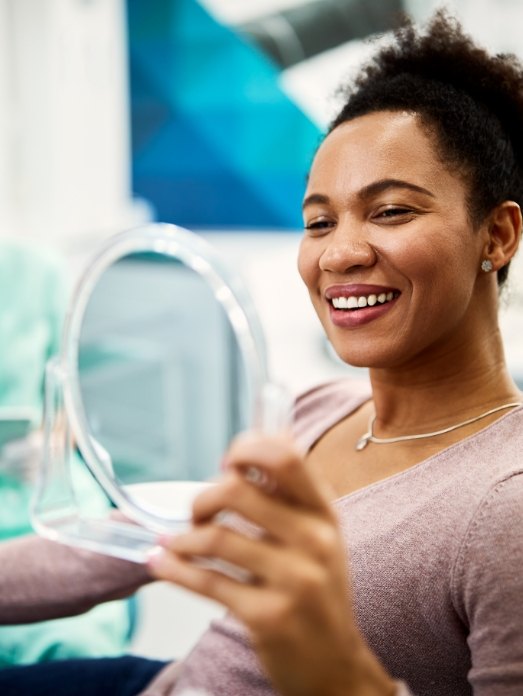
x=362 y=301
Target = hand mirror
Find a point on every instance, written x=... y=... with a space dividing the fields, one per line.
x=162 y=364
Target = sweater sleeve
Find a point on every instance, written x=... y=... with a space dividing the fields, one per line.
x=488 y=591
x=41 y=579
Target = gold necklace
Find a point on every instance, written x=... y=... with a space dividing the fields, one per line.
x=370 y=437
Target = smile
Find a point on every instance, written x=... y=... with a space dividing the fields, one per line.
x=355 y=302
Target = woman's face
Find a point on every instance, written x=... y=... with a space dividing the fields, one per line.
x=389 y=256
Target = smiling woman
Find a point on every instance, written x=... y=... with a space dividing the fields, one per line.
x=396 y=219
x=412 y=215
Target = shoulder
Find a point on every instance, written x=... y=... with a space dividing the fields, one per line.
x=494 y=453
x=490 y=556
x=487 y=585
x=319 y=408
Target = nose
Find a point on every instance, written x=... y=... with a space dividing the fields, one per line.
x=347 y=249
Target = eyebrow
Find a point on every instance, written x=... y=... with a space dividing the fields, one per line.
x=372 y=190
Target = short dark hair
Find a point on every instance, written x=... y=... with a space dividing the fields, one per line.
x=472 y=101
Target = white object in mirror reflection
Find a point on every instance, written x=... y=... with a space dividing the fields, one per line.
x=163 y=362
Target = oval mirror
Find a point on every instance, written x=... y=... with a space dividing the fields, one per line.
x=164 y=363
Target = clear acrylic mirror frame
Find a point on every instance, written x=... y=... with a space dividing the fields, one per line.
x=57 y=512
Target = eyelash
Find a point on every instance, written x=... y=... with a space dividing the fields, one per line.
x=395 y=212
x=319 y=224
x=391 y=214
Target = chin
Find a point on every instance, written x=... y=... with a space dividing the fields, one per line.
x=354 y=359
x=367 y=358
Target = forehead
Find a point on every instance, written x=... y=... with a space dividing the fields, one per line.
x=381 y=145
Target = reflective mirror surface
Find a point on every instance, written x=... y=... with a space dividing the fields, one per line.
x=162 y=381
x=163 y=362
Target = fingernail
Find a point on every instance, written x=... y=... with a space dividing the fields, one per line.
x=164 y=540
x=155 y=555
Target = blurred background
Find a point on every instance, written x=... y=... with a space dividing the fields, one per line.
x=204 y=113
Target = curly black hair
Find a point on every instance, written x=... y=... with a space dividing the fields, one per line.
x=471 y=101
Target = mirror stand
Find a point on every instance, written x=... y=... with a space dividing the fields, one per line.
x=126 y=422
x=56 y=511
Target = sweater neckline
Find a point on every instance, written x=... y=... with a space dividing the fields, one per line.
x=357 y=402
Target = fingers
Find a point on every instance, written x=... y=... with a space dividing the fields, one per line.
x=295 y=536
x=289 y=504
x=281 y=521
x=282 y=466
x=259 y=607
x=260 y=563
x=215 y=541
x=264 y=561
x=206 y=582
x=282 y=564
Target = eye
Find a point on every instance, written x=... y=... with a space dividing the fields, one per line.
x=318 y=226
x=395 y=214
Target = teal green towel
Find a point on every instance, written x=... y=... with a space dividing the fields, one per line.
x=33 y=297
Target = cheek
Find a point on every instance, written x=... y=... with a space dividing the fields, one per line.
x=442 y=275
x=437 y=259
x=307 y=264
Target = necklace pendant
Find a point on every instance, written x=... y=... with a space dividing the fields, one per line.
x=363 y=442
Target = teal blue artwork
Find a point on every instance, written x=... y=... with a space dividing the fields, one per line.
x=216 y=143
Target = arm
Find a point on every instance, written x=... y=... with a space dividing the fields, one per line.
x=488 y=590
x=293 y=597
x=41 y=579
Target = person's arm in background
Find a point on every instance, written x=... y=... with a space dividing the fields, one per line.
x=41 y=579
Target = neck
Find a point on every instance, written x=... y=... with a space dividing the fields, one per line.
x=443 y=388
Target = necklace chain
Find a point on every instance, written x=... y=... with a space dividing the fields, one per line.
x=370 y=437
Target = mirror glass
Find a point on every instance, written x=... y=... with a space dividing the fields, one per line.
x=162 y=381
x=163 y=362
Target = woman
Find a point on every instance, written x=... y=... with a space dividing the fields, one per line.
x=412 y=215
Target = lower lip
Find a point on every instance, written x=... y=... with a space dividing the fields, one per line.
x=358 y=317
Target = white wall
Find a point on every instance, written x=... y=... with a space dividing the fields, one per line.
x=6 y=112
x=64 y=118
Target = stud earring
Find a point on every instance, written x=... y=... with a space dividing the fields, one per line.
x=486 y=265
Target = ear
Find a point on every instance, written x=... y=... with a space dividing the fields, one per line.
x=504 y=233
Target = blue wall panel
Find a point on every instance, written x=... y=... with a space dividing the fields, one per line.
x=216 y=142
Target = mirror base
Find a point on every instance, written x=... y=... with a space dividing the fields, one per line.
x=119 y=539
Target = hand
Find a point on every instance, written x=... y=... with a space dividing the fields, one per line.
x=294 y=597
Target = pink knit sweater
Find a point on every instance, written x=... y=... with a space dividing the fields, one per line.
x=436 y=554
x=41 y=579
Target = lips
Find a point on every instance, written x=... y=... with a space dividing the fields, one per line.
x=353 y=305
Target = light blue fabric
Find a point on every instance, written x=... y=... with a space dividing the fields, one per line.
x=32 y=304
x=33 y=296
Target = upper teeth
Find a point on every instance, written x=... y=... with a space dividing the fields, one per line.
x=361 y=301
